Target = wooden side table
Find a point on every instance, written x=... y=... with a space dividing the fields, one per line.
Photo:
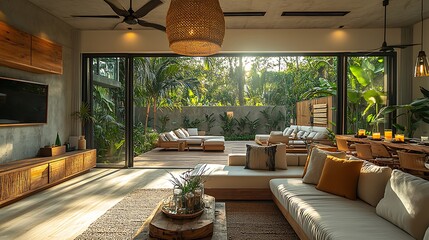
x=210 y=225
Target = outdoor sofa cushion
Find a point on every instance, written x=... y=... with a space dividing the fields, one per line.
x=261 y=157
x=325 y=216
x=316 y=161
x=372 y=182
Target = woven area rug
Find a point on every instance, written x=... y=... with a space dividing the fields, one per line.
x=245 y=219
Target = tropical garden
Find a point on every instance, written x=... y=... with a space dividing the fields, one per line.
x=176 y=82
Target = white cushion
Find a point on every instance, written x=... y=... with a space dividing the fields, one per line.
x=320 y=136
x=214 y=141
x=372 y=182
x=193 y=131
x=171 y=136
x=285 y=131
x=276 y=133
x=305 y=135
x=179 y=133
x=405 y=203
x=185 y=132
x=311 y=135
x=426 y=237
x=288 y=132
x=316 y=163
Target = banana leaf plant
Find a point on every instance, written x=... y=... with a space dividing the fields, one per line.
x=415 y=112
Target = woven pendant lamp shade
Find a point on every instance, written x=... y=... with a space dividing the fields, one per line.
x=195 y=27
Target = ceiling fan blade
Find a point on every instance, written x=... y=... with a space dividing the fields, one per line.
x=117 y=7
x=147 y=8
x=402 y=46
x=151 y=25
x=117 y=25
x=95 y=16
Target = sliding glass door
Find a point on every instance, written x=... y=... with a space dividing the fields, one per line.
x=108 y=107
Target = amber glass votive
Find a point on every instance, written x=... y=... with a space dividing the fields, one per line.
x=399 y=137
x=376 y=135
x=361 y=132
x=388 y=134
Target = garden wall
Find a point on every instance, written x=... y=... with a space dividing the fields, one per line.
x=274 y=118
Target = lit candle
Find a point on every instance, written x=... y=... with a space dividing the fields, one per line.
x=361 y=132
x=399 y=137
x=376 y=135
x=388 y=134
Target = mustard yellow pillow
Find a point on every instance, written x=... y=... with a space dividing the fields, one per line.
x=340 y=177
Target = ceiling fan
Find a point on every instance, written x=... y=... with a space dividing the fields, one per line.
x=389 y=48
x=130 y=16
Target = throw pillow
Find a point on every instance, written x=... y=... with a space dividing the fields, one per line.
x=405 y=203
x=171 y=136
x=285 y=131
x=315 y=163
x=280 y=157
x=340 y=177
x=300 y=133
x=260 y=157
x=289 y=132
x=163 y=137
x=320 y=136
x=193 y=131
x=305 y=135
x=185 y=132
x=311 y=135
x=372 y=182
x=180 y=133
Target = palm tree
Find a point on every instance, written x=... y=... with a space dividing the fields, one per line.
x=157 y=79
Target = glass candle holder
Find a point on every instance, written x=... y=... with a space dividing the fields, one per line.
x=376 y=135
x=388 y=134
x=361 y=132
x=399 y=137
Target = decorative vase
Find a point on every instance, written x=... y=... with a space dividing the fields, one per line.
x=82 y=143
x=57 y=140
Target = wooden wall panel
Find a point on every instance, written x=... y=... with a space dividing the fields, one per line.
x=14 y=184
x=74 y=164
x=321 y=110
x=39 y=176
x=46 y=55
x=57 y=171
x=89 y=159
x=15 y=46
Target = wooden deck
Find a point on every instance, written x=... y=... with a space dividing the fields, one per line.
x=160 y=158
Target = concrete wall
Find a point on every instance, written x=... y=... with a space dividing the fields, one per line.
x=420 y=81
x=24 y=142
x=244 y=40
x=177 y=115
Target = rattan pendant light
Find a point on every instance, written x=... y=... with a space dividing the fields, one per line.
x=195 y=27
x=422 y=66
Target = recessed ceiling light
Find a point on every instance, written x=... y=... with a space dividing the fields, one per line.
x=315 y=13
x=244 y=14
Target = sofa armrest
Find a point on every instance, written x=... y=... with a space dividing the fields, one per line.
x=236 y=159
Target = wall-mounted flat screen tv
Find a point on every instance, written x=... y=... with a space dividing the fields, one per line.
x=22 y=102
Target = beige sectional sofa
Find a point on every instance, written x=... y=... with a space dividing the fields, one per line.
x=316 y=214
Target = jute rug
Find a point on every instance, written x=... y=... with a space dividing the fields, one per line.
x=245 y=219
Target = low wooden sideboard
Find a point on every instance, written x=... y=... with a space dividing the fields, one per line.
x=21 y=178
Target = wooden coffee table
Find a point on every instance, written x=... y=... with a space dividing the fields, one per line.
x=210 y=225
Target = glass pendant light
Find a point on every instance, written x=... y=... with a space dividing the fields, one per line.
x=422 y=66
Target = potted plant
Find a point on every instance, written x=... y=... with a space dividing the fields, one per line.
x=85 y=116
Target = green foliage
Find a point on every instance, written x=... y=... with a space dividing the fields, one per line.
x=245 y=137
x=241 y=125
x=228 y=124
x=187 y=123
x=209 y=119
x=253 y=125
x=143 y=142
x=163 y=120
x=414 y=113
x=274 y=119
x=189 y=180
x=85 y=115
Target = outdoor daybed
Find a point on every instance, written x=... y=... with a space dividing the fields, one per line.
x=182 y=139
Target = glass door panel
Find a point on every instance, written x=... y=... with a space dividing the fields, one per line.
x=366 y=92
x=108 y=101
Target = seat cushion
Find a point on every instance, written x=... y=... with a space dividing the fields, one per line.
x=214 y=142
x=325 y=216
x=405 y=203
x=221 y=176
x=316 y=161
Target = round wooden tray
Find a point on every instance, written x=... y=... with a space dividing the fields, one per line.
x=182 y=216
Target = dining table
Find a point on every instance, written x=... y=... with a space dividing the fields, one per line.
x=409 y=144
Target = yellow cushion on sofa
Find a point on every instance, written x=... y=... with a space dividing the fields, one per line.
x=340 y=177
